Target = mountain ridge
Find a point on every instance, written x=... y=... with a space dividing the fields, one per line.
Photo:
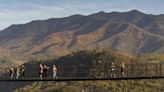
x=133 y=32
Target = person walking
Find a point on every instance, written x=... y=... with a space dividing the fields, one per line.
x=113 y=70
x=17 y=72
x=45 y=69
x=11 y=72
x=54 y=69
x=122 y=68
x=41 y=71
x=23 y=71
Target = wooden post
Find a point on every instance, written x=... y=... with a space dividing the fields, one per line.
x=5 y=77
x=146 y=70
x=141 y=70
x=126 y=70
x=132 y=70
x=156 y=69
x=160 y=69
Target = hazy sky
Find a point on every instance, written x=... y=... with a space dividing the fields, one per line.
x=22 y=11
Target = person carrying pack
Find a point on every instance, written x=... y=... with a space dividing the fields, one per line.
x=11 y=72
x=45 y=69
x=23 y=71
x=113 y=70
x=54 y=69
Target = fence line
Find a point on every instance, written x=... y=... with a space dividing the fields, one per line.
x=132 y=70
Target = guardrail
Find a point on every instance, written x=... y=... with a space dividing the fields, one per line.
x=84 y=72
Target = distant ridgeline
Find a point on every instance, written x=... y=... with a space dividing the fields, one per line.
x=131 y=32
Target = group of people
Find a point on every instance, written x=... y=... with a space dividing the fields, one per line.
x=113 y=69
x=17 y=72
x=43 y=71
